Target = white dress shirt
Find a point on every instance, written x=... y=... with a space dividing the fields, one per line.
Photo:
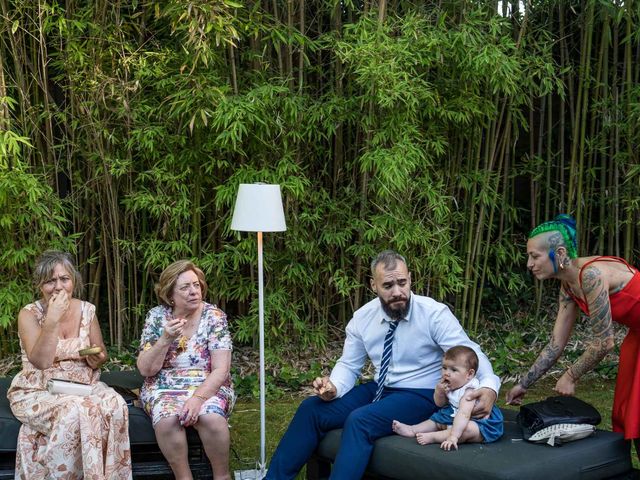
x=429 y=330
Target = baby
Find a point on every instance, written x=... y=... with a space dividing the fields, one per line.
x=452 y=424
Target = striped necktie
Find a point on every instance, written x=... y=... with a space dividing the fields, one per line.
x=386 y=358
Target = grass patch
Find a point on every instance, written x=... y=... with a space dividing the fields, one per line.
x=245 y=429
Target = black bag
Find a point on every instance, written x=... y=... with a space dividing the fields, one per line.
x=555 y=410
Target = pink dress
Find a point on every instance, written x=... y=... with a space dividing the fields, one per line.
x=69 y=436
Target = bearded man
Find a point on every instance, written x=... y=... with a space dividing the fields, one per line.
x=404 y=335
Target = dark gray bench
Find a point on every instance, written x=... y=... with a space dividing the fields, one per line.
x=147 y=460
x=605 y=455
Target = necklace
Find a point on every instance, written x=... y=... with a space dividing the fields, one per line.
x=182 y=343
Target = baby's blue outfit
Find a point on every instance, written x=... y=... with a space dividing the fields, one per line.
x=490 y=428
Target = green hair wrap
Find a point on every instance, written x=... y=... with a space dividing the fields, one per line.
x=566 y=226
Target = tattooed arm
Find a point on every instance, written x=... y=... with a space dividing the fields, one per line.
x=596 y=290
x=567 y=313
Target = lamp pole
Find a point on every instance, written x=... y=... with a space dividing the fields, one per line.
x=263 y=462
x=259 y=209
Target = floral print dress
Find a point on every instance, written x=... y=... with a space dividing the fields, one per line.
x=186 y=365
x=69 y=436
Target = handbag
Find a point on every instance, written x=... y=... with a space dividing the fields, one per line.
x=557 y=420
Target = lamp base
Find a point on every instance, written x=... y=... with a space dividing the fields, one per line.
x=255 y=474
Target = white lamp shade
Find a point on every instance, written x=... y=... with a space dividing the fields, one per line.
x=258 y=209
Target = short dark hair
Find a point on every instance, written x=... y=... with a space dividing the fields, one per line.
x=388 y=258
x=462 y=351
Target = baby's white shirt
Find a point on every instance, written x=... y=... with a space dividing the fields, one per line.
x=455 y=396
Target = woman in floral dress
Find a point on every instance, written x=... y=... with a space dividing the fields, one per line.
x=65 y=436
x=185 y=355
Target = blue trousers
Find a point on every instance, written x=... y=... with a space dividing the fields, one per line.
x=362 y=421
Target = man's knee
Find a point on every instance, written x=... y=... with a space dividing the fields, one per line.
x=317 y=414
x=359 y=419
x=309 y=408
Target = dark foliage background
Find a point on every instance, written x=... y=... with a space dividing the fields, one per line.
x=444 y=130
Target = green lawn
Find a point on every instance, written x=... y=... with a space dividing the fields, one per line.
x=245 y=421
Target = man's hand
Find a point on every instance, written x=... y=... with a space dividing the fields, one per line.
x=484 y=399
x=323 y=387
x=516 y=394
x=566 y=385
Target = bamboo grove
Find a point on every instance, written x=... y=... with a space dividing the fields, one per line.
x=442 y=129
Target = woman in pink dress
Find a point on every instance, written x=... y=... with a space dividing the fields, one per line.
x=65 y=436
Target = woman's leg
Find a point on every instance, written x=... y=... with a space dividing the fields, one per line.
x=214 y=433
x=172 y=440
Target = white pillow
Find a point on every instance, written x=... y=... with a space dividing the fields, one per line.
x=562 y=433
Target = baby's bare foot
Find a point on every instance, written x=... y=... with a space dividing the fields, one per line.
x=402 y=429
x=423 y=438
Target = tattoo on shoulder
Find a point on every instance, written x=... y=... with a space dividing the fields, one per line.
x=591 y=279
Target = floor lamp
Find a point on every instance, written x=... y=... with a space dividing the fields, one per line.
x=259 y=209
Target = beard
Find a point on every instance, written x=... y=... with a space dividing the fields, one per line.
x=396 y=313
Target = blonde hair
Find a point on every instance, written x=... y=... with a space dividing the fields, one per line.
x=169 y=277
x=46 y=264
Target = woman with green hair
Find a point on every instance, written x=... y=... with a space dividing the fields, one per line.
x=606 y=290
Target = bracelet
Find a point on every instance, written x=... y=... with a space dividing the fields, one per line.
x=201 y=397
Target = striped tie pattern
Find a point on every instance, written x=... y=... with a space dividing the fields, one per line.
x=386 y=358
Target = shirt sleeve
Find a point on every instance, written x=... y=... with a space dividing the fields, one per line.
x=349 y=365
x=448 y=333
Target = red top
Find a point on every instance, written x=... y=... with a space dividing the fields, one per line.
x=625 y=309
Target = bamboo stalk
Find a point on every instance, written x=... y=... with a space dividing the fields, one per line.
x=301 y=20
x=289 y=47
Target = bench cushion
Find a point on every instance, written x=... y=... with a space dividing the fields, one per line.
x=605 y=455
